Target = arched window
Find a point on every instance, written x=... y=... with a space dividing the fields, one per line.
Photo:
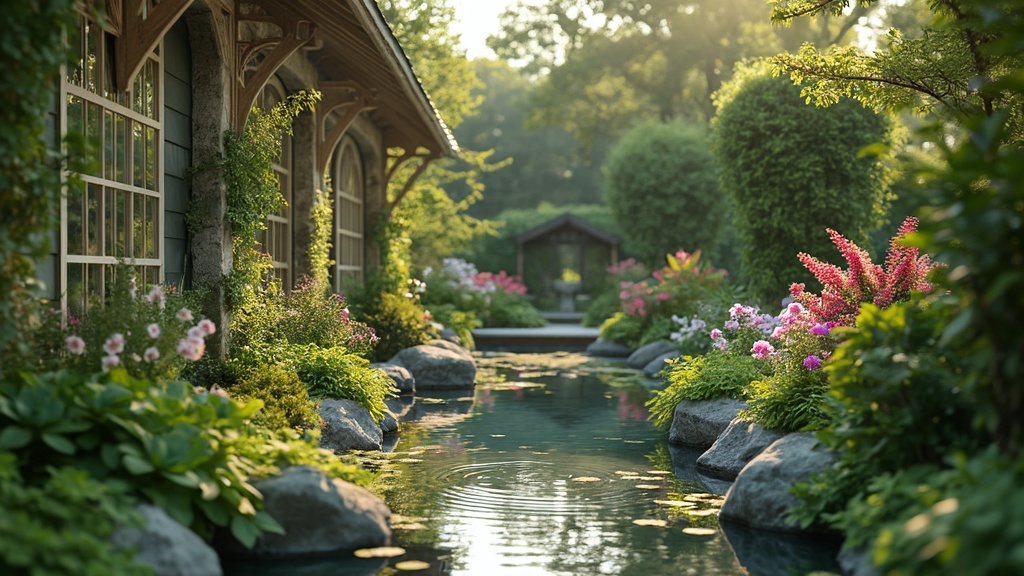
x=112 y=212
x=347 y=176
x=277 y=238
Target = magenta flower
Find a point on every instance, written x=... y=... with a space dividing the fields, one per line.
x=114 y=344
x=761 y=349
x=812 y=362
x=819 y=330
x=715 y=334
x=75 y=345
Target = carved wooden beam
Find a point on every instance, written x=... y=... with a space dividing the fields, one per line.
x=140 y=33
x=297 y=31
x=335 y=95
x=426 y=159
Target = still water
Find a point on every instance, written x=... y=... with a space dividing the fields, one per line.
x=550 y=467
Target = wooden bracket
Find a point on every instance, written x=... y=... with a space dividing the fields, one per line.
x=335 y=95
x=297 y=31
x=140 y=31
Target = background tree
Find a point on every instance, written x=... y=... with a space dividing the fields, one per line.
x=662 y=187
x=941 y=67
x=603 y=63
x=792 y=170
x=540 y=163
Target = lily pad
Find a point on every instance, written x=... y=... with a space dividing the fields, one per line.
x=624 y=473
x=586 y=479
x=412 y=565
x=695 y=531
x=380 y=552
x=702 y=512
x=675 y=503
x=648 y=486
x=650 y=522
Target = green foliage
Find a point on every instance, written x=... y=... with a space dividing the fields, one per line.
x=136 y=314
x=334 y=373
x=32 y=52
x=623 y=328
x=792 y=170
x=177 y=449
x=662 y=188
x=285 y=399
x=939 y=68
x=254 y=190
x=322 y=220
x=607 y=302
x=399 y=322
x=461 y=321
x=61 y=523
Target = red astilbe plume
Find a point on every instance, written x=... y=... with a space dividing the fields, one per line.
x=843 y=291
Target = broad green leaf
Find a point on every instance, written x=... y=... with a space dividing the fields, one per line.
x=136 y=464
x=244 y=530
x=59 y=443
x=14 y=437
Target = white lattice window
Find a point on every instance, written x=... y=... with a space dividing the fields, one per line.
x=113 y=210
x=277 y=238
x=348 y=215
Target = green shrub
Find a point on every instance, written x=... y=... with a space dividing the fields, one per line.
x=62 y=523
x=718 y=374
x=462 y=322
x=662 y=187
x=286 y=402
x=792 y=169
x=173 y=447
x=399 y=322
x=334 y=373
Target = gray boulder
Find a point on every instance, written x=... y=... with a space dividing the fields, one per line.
x=320 y=514
x=644 y=355
x=348 y=426
x=740 y=443
x=451 y=347
x=404 y=381
x=654 y=367
x=608 y=349
x=437 y=367
x=390 y=422
x=400 y=406
x=700 y=423
x=170 y=548
x=760 y=496
x=450 y=335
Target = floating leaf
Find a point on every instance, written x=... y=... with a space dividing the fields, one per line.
x=657 y=472
x=408 y=526
x=497 y=435
x=622 y=473
x=649 y=478
x=412 y=565
x=702 y=512
x=539 y=453
x=694 y=531
x=648 y=486
x=633 y=441
x=675 y=503
x=431 y=400
x=380 y=552
x=650 y=522
x=410 y=460
x=586 y=479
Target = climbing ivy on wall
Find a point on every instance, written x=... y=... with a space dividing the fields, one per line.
x=32 y=51
x=253 y=189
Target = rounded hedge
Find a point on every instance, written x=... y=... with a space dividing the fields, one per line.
x=661 y=184
x=792 y=170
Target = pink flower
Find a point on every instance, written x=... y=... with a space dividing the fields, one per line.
x=662 y=296
x=720 y=343
x=156 y=295
x=185 y=315
x=114 y=344
x=207 y=326
x=732 y=325
x=196 y=333
x=218 y=391
x=779 y=332
x=344 y=315
x=153 y=330
x=151 y=354
x=75 y=345
x=819 y=330
x=761 y=349
x=715 y=334
x=812 y=362
x=111 y=361
x=190 y=349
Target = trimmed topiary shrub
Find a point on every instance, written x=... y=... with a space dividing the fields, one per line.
x=793 y=169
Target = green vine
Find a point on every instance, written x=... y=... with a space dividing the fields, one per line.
x=320 y=262
x=254 y=190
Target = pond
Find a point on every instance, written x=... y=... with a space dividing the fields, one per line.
x=550 y=467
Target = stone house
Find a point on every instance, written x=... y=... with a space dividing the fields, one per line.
x=162 y=82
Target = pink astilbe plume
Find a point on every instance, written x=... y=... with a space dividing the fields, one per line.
x=843 y=291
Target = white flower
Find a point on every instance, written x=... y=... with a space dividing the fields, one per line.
x=114 y=344
x=153 y=330
x=75 y=345
x=151 y=354
x=207 y=326
x=111 y=361
x=185 y=315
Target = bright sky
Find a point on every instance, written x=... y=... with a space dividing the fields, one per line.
x=475 y=21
